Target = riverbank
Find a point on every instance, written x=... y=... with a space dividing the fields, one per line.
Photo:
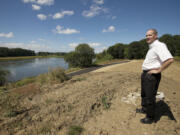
x=70 y=72
x=27 y=57
x=101 y=102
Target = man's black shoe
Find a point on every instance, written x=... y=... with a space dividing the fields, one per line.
x=140 y=111
x=147 y=120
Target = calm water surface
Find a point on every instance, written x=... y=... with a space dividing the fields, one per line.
x=31 y=67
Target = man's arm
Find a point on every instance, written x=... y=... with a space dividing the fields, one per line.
x=163 y=67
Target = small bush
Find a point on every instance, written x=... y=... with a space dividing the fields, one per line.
x=54 y=75
x=103 y=57
x=3 y=74
x=58 y=75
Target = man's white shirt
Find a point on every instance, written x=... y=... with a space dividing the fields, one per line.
x=156 y=55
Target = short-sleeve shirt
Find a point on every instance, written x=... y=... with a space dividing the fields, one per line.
x=156 y=55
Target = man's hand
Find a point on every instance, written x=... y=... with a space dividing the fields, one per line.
x=164 y=66
x=154 y=71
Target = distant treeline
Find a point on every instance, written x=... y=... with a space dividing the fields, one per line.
x=134 y=50
x=50 y=53
x=14 y=52
x=138 y=49
x=7 y=52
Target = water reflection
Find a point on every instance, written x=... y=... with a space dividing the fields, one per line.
x=31 y=67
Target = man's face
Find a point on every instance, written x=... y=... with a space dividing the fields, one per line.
x=150 y=36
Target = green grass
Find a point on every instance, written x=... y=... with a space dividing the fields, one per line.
x=27 y=57
x=80 y=79
x=54 y=75
x=105 y=102
x=75 y=130
x=25 y=81
x=69 y=70
x=177 y=58
x=49 y=101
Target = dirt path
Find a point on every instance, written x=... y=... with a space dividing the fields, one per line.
x=101 y=103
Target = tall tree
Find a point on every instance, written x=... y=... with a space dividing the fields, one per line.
x=168 y=39
x=117 y=51
x=82 y=56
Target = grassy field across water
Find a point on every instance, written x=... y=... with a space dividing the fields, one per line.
x=26 y=57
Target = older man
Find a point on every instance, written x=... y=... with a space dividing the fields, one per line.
x=157 y=59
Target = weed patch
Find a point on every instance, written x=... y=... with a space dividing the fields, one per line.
x=45 y=129
x=105 y=102
x=9 y=104
x=80 y=79
x=75 y=130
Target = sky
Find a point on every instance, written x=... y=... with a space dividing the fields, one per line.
x=60 y=25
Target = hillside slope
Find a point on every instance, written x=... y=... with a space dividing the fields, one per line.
x=103 y=102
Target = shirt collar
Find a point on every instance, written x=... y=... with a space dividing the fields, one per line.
x=153 y=43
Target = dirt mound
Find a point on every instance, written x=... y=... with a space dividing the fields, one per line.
x=94 y=102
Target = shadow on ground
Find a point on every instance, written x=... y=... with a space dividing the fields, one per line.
x=162 y=109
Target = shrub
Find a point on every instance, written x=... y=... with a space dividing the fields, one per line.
x=102 y=57
x=58 y=74
x=3 y=74
x=54 y=75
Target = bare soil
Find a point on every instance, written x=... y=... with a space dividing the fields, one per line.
x=94 y=102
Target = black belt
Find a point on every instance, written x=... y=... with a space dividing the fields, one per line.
x=145 y=71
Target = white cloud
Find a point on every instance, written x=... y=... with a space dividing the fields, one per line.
x=92 y=44
x=33 y=42
x=27 y=1
x=114 y=17
x=45 y=2
x=98 y=1
x=59 y=30
x=95 y=44
x=110 y=29
x=8 y=35
x=73 y=45
x=62 y=14
x=31 y=46
x=42 y=16
x=36 y=7
x=41 y=39
x=40 y=2
x=93 y=11
x=98 y=47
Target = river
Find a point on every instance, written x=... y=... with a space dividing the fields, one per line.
x=30 y=67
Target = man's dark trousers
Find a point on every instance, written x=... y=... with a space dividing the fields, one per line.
x=149 y=87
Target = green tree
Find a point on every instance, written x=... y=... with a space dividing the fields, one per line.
x=169 y=41
x=136 y=50
x=4 y=51
x=103 y=56
x=72 y=58
x=116 y=51
x=177 y=44
x=82 y=56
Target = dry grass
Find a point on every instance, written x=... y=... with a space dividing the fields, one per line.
x=81 y=101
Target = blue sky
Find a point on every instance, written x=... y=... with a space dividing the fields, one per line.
x=60 y=25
